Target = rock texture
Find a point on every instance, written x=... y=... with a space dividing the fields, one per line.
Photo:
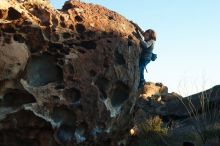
x=67 y=77
x=180 y=115
x=152 y=100
x=156 y=101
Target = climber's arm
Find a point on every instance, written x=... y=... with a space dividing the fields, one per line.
x=146 y=44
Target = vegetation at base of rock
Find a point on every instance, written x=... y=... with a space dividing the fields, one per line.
x=152 y=131
x=153 y=125
x=194 y=119
x=205 y=120
x=212 y=131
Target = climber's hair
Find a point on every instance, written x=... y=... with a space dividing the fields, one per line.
x=152 y=34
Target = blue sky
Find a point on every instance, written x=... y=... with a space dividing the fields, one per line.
x=188 y=39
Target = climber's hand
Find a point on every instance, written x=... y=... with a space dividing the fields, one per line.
x=140 y=35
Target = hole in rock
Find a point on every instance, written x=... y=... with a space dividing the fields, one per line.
x=88 y=44
x=24 y=128
x=103 y=84
x=119 y=93
x=24 y=120
x=58 y=55
x=188 y=143
x=110 y=17
x=60 y=86
x=104 y=33
x=56 y=98
x=78 y=18
x=80 y=28
x=82 y=37
x=60 y=62
x=90 y=34
x=63 y=24
x=66 y=35
x=63 y=115
x=107 y=62
x=17 y=97
x=19 y=38
x=13 y=14
x=81 y=51
x=42 y=70
x=119 y=58
x=82 y=126
x=65 y=50
x=92 y=73
x=71 y=27
x=135 y=34
x=62 y=18
x=109 y=41
x=106 y=141
x=69 y=78
x=7 y=39
x=65 y=134
x=36 y=41
x=9 y=29
x=130 y=43
x=54 y=21
x=54 y=47
x=26 y=142
x=72 y=95
x=130 y=37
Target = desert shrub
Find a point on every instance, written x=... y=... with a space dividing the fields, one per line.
x=204 y=117
x=152 y=131
x=212 y=131
x=153 y=125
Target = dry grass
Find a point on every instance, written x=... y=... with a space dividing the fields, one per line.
x=152 y=131
x=204 y=117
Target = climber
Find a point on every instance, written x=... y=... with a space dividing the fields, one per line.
x=147 y=45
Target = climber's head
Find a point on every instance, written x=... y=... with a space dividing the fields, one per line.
x=150 y=35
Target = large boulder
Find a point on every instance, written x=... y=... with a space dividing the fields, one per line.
x=69 y=76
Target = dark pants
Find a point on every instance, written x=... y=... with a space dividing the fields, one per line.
x=142 y=65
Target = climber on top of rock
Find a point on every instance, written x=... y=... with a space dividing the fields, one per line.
x=147 y=45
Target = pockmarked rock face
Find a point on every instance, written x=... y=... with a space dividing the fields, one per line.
x=67 y=77
x=151 y=89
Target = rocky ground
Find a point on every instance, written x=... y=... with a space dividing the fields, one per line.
x=70 y=77
x=195 y=118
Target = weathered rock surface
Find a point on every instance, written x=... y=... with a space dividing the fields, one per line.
x=155 y=101
x=67 y=77
x=159 y=92
x=182 y=116
x=153 y=97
